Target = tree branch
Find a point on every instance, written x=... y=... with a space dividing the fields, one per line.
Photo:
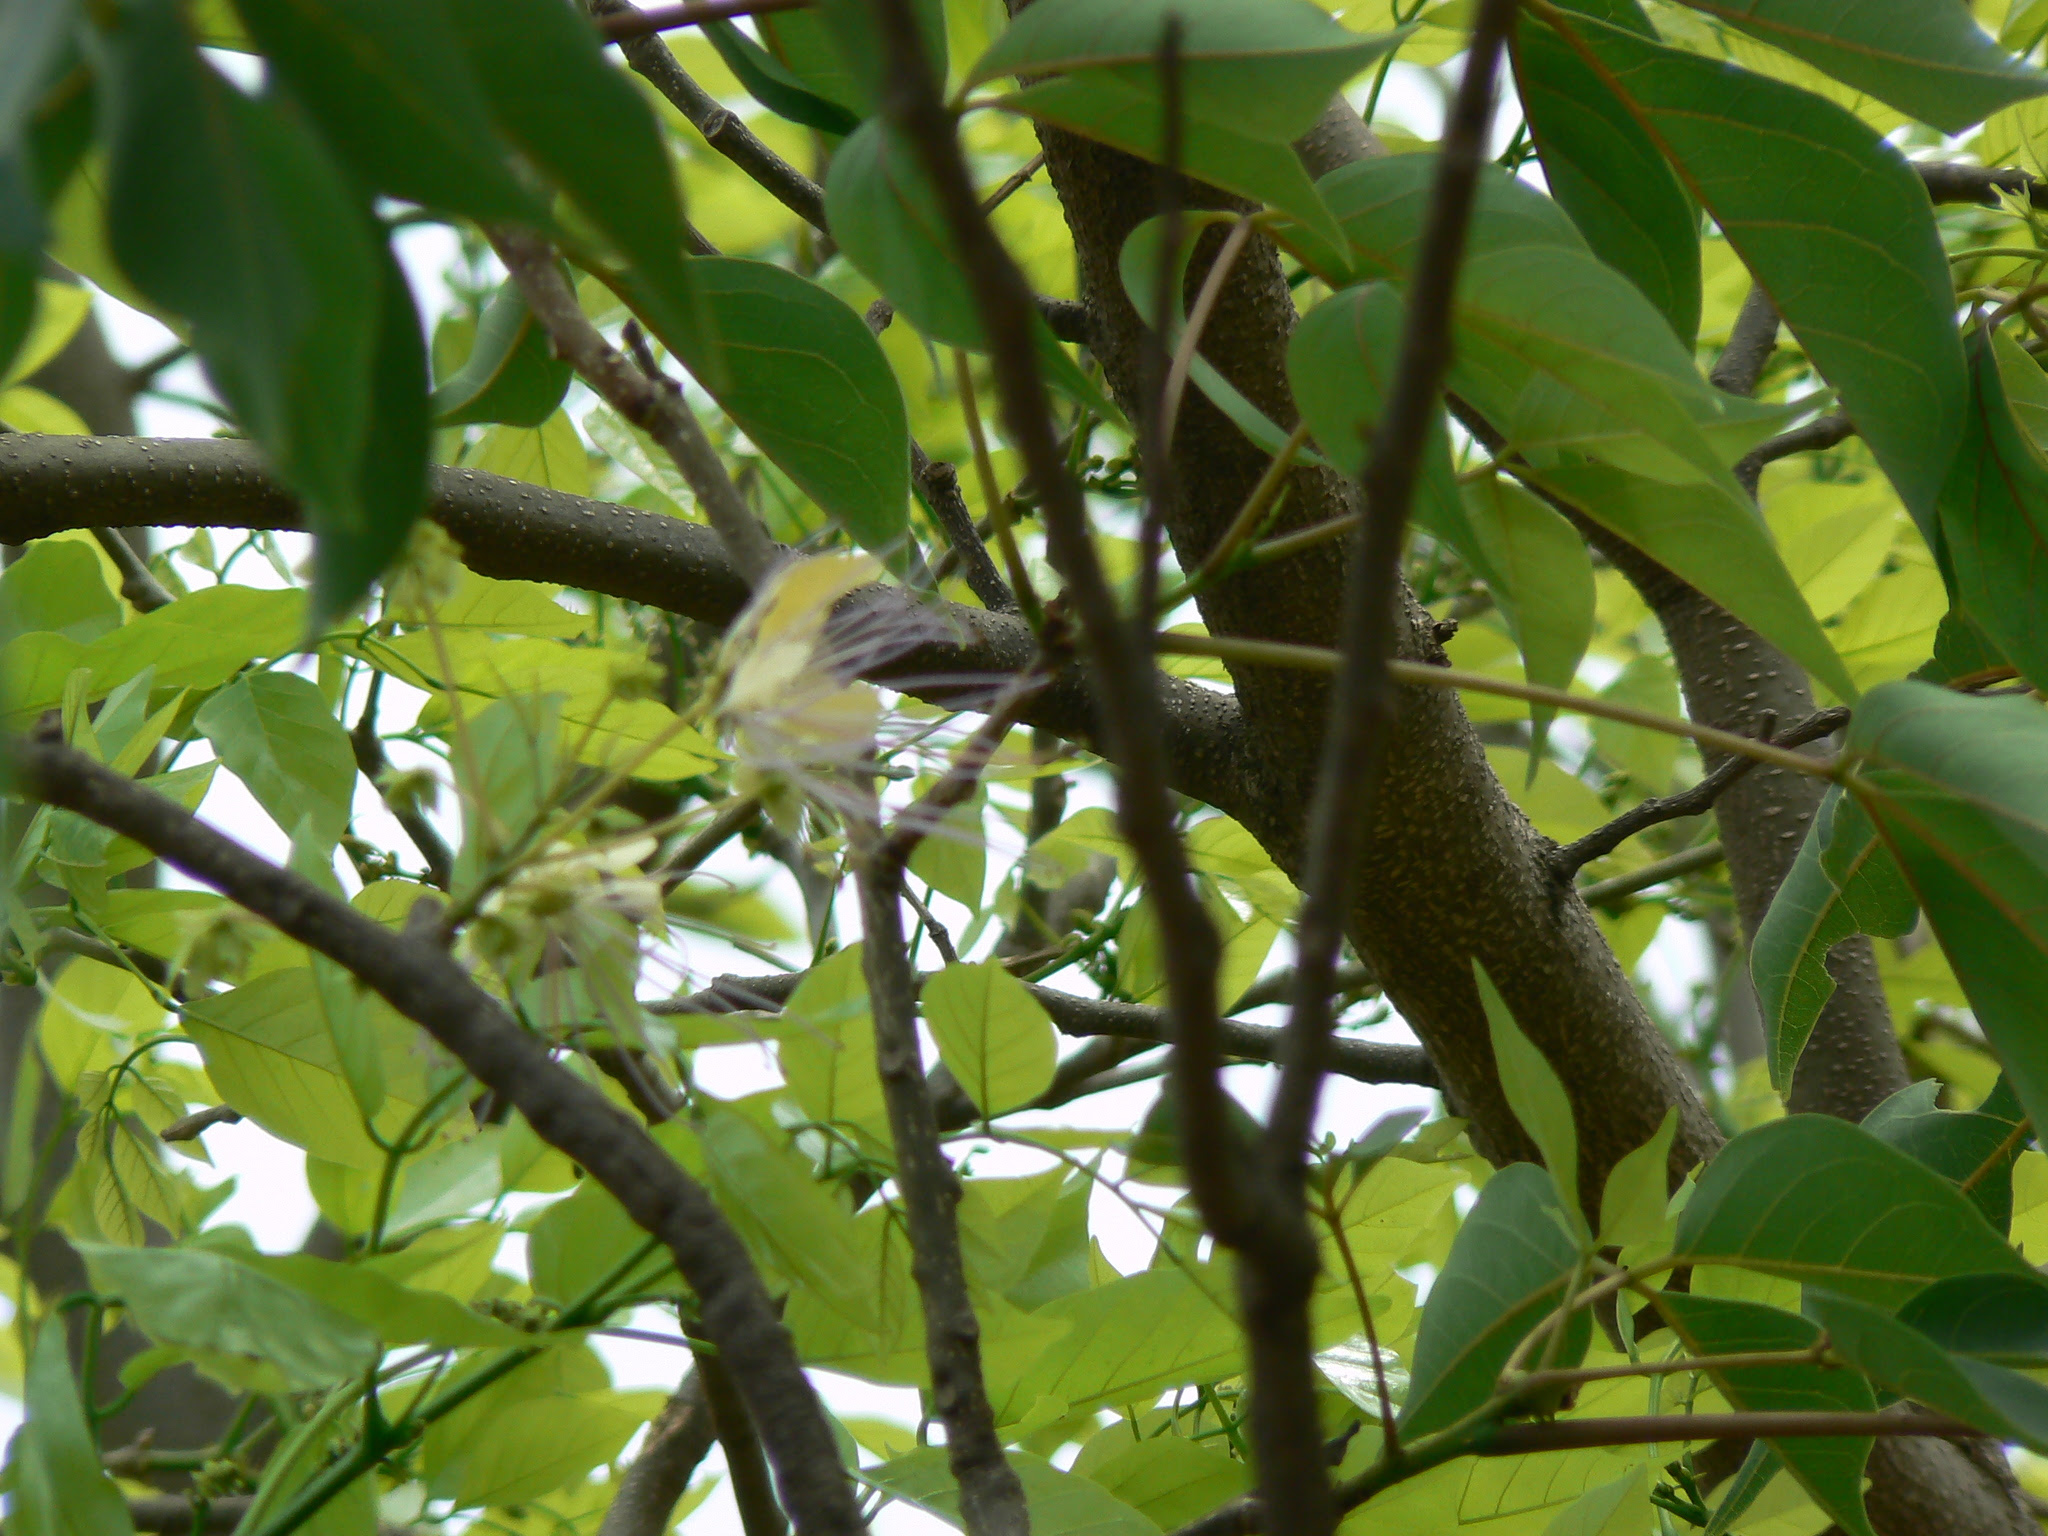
x=368 y=747
x=655 y=405
x=1698 y=800
x=1365 y=1061
x=511 y=530
x=740 y=1438
x=1751 y=341
x=1979 y=183
x=676 y=1444
x=144 y=592
x=428 y=986
x=1605 y=892
x=940 y=483
x=630 y=22
x=1822 y=433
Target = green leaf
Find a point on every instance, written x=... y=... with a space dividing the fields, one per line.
x=580 y=1241
x=1507 y=1270
x=1059 y=1503
x=1533 y=1091
x=1638 y=1190
x=2001 y=1402
x=828 y=1060
x=1954 y=784
x=1932 y=62
x=1759 y=1467
x=1382 y=204
x=1994 y=520
x=1960 y=1147
x=270 y=1053
x=888 y=222
x=1125 y=1341
x=1830 y=1468
x=207 y=1300
x=993 y=1034
x=59 y=310
x=1833 y=223
x=511 y=376
x=1267 y=65
x=389 y=83
x=581 y=122
x=770 y=82
x=56 y=587
x=1819 y=1201
x=545 y=1426
x=35 y=39
x=1168 y=1479
x=1619 y=1508
x=1610 y=176
x=275 y=732
x=810 y=385
x=1717 y=545
x=835 y=48
x=202 y=640
x=226 y=209
x=59 y=1487
x=396 y=1313
x=1538 y=569
x=1854 y=887
x=1999 y=1318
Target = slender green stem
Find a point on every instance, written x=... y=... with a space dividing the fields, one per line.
x=1314 y=658
x=1253 y=516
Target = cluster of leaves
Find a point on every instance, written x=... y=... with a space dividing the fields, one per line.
x=1831 y=1266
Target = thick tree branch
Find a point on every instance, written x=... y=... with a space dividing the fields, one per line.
x=677 y=1442
x=753 y=1491
x=1697 y=801
x=427 y=985
x=511 y=530
x=1365 y=1061
x=1751 y=341
x=1979 y=183
x=655 y=405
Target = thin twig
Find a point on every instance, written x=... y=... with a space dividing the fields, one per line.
x=199 y=1121
x=1570 y=859
x=1315 y=658
x=1250 y=519
x=935 y=930
x=620 y=25
x=1364 y=699
x=732 y=819
x=940 y=483
x=1606 y=892
x=993 y=501
x=1206 y=300
x=1816 y=436
x=139 y=585
x=368 y=745
x=1013 y=182
x=430 y=987
x=655 y=406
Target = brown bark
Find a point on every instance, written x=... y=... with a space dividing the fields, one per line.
x=1450 y=869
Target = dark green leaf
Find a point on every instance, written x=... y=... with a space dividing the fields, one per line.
x=275 y=733
x=1270 y=66
x=389 y=83
x=1610 y=176
x=810 y=385
x=1931 y=61
x=1383 y=203
x=351 y=552
x=2000 y=1318
x=1960 y=1147
x=396 y=1313
x=1717 y=544
x=1994 y=520
x=1856 y=887
x=1955 y=786
x=2001 y=1402
x=834 y=48
x=1507 y=1270
x=58 y=1486
x=512 y=375
x=581 y=122
x=887 y=221
x=1754 y=1475
x=771 y=83
x=206 y=1300
x=1831 y=1469
x=1534 y=1092
x=1835 y=226
x=224 y=208
x=1823 y=1202
x=34 y=35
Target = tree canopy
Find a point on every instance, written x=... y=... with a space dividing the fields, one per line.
x=1054 y=579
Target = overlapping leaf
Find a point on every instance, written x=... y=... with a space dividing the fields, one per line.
x=1831 y=221
x=1609 y=175
x=1831 y=1468
x=1508 y=1268
x=1931 y=61
x=1994 y=520
x=1819 y=1201
x=1955 y=786
x=1855 y=887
